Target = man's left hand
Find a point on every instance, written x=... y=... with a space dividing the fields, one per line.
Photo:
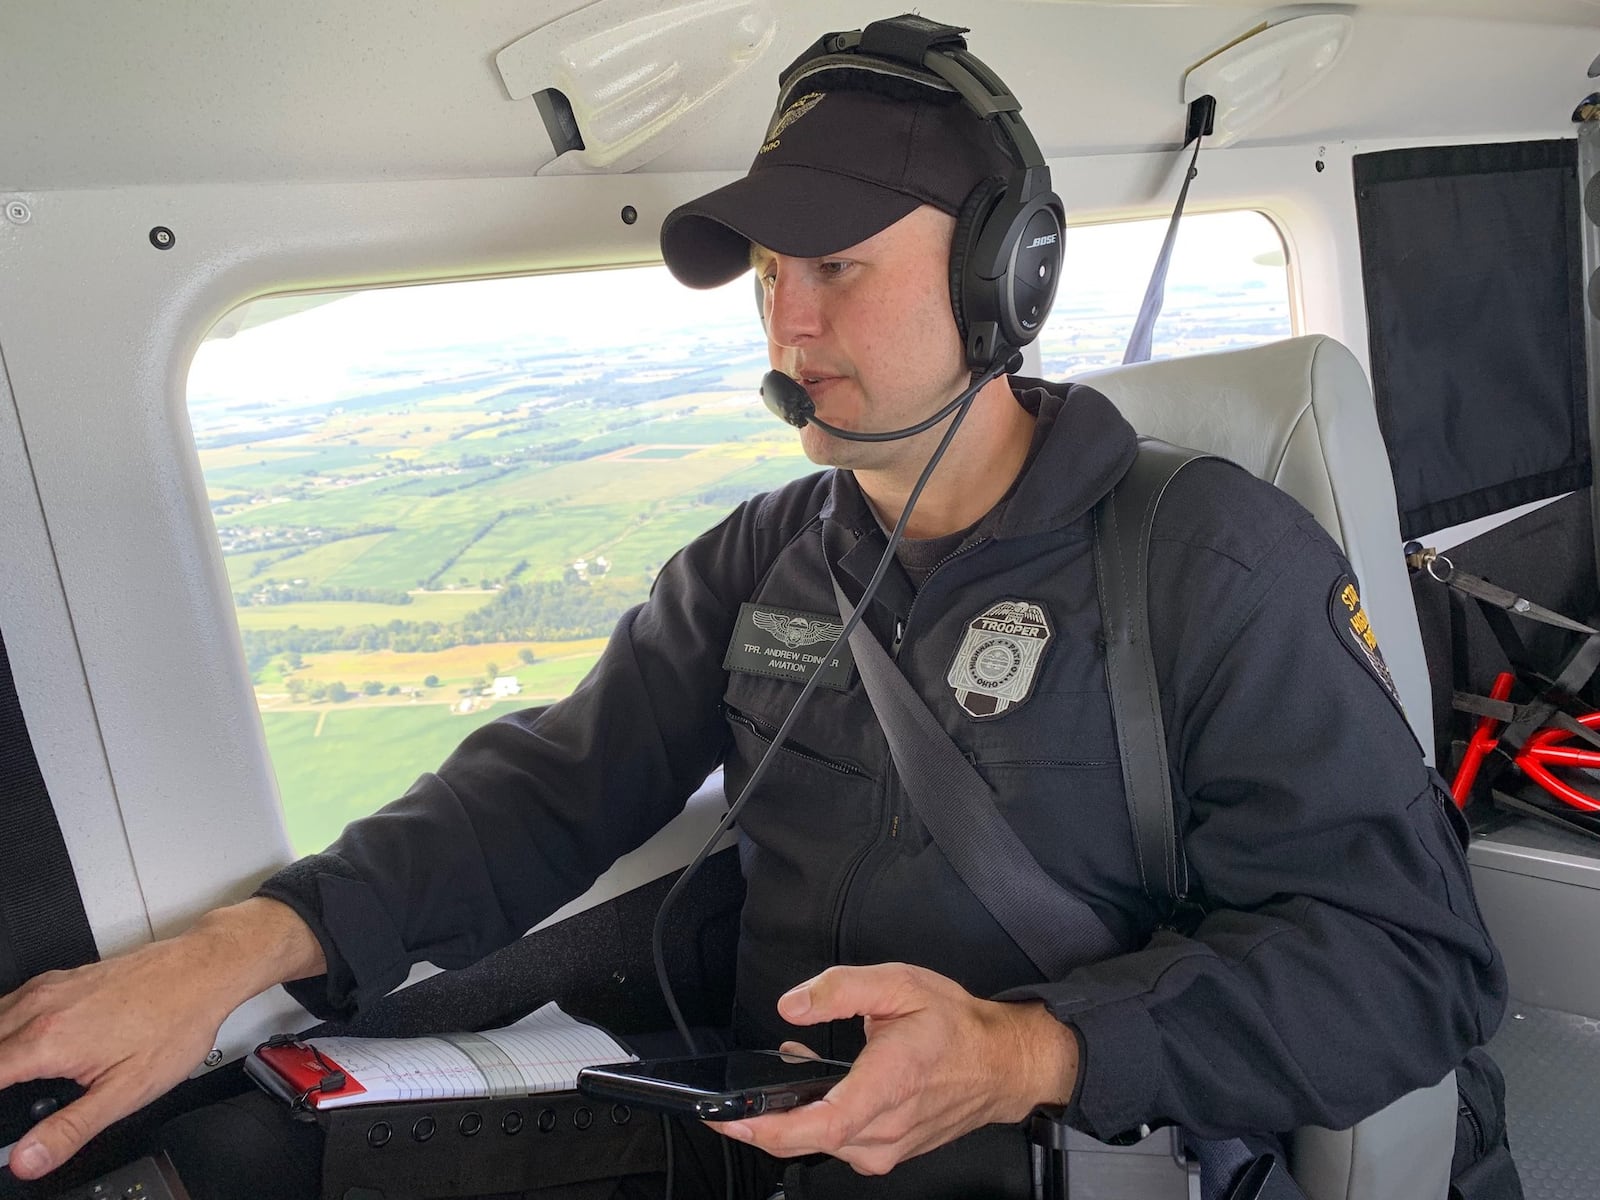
x=938 y=1063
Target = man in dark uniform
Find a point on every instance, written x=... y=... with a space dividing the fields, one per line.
x=1339 y=961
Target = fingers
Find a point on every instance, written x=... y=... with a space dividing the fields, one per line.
x=57 y=1138
x=923 y=1078
x=24 y=1048
x=869 y=1142
x=127 y=1029
x=885 y=990
x=798 y=1050
x=822 y=1126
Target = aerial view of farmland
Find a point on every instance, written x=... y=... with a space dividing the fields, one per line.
x=434 y=502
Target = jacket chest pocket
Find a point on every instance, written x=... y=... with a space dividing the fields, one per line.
x=823 y=781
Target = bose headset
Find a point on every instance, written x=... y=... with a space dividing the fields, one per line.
x=1005 y=259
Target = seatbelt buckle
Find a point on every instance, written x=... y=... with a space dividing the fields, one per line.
x=1254 y=1180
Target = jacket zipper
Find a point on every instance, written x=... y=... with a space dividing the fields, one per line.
x=767 y=732
x=900 y=627
x=1047 y=762
x=1478 y=1140
x=889 y=830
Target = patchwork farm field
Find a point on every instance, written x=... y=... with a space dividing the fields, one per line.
x=395 y=554
x=429 y=496
x=333 y=614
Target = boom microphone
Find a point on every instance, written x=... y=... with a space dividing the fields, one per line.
x=788 y=401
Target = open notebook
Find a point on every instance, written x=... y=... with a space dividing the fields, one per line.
x=540 y=1053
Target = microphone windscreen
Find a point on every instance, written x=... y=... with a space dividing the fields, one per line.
x=786 y=399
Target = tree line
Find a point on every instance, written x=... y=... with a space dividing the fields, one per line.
x=540 y=611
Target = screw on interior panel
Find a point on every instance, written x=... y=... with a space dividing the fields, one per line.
x=162 y=238
x=630 y=214
x=214 y=1058
x=18 y=213
x=1518 y=1017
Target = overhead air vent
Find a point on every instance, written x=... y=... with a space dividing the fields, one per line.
x=619 y=82
x=1256 y=75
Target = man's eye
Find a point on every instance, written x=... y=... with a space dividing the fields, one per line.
x=833 y=267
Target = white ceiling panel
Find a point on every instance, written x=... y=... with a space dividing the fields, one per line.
x=101 y=95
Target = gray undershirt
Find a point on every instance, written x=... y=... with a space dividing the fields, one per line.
x=919 y=556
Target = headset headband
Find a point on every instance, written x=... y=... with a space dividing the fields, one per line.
x=932 y=55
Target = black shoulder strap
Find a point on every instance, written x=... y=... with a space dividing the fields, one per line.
x=1122 y=524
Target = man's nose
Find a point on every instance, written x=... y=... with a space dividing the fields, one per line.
x=793 y=312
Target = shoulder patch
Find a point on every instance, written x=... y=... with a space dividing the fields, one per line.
x=1354 y=629
x=996 y=664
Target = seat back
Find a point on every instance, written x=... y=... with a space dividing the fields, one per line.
x=1299 y=414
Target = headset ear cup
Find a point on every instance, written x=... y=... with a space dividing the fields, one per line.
x=970 y=223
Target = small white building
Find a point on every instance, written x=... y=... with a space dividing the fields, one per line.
x=505 y=685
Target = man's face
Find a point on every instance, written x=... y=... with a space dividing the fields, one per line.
x=869 y=334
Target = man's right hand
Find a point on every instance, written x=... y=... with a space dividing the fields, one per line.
x=131 y=1027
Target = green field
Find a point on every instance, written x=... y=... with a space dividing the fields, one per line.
x=519 y=475
x=333 y=614
x=556 y=670
x=360 y=760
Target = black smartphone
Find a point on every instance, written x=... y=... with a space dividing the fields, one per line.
x=715 y=1087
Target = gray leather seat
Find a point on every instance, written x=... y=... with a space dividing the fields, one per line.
x=1299 y=414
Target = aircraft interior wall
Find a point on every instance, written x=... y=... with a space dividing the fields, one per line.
x=114 y=600
x=127 y=632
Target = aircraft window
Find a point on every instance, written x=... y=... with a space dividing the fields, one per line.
x=434 y=501
x=1228 y=286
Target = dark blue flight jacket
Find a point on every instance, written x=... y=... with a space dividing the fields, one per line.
x=1342 y=960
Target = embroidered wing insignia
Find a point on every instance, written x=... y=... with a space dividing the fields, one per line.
x=795 y=632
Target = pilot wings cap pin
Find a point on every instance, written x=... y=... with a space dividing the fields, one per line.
x=998 y=660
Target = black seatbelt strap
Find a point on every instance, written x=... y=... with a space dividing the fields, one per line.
x=1440 y=568
x=1123 y=521
x=1053 y=927
x=43 y=926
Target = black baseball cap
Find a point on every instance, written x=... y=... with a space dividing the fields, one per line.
x=840 y=162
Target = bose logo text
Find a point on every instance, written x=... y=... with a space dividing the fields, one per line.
x=1047 y=240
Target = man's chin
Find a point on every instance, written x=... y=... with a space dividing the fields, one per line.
x=826 y=450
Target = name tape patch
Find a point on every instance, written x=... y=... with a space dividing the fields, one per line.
x=1354 y=628
x=998 y=660
x=787 y=643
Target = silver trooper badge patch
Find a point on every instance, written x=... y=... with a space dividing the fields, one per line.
x=995 y=667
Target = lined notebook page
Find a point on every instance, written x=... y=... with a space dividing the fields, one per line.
x=540 y=1053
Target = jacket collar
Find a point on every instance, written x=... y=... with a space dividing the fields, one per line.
x=1087 y=447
